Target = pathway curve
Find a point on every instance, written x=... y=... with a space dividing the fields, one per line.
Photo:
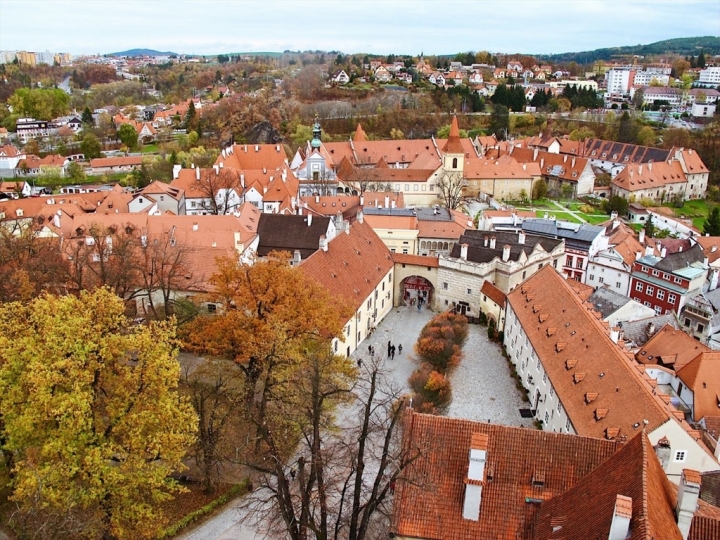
x=571 y=212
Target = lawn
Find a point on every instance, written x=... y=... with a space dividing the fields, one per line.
x=150 y=149
x=697 y=210
x=562 y=216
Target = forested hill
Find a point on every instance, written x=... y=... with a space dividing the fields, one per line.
x=142 y=52
x=682 y=46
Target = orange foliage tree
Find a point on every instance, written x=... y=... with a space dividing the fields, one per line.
x=441 y=340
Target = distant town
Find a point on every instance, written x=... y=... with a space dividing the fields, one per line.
x=326 y=294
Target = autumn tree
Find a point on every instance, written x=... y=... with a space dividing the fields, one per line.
x=30 y=263
x=90 y=146
x=128 y=136
x=91 y=417
x=271 y=309
x=451 y=191
x=221 y=189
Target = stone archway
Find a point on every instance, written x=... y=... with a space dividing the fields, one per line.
x=416 y=287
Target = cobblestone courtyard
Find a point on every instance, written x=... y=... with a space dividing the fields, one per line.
x=482 y=387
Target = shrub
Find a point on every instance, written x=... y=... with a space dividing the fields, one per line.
x=441 y=340
x=432 y=391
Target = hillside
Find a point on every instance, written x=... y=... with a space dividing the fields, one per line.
x=141 y=52
x=681 y=46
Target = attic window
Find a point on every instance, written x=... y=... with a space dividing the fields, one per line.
x=600 y=414
x=570 y=363
x=578 y=377
x=559 y=347
x=538 y=479
x=551 y=331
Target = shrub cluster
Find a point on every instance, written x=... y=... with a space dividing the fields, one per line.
x=440 y=350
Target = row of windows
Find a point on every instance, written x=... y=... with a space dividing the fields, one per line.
x=650 y=291
x=656 y=273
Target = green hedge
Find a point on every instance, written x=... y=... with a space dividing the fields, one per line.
x=192 y=517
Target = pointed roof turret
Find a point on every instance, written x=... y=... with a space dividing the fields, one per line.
x=360 y=135
x=453 y=145
x=317 y=134
x=382 y=164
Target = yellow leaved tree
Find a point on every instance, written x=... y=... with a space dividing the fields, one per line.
x=91 y=419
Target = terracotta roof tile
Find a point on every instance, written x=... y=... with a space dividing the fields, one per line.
x=123 y=161
x=671 y=348
x=418 y=260
x=493 y=293
x=429 y=500
x=701 y=375
x=577 y=334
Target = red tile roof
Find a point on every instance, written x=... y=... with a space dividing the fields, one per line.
x=417 y=260
x=353 y=265
x=453 y=144
x=493 y=293
x=254 y=156
x=123 y=161
x=429 y=499
x=586 y=510
x=571 y=330
x=636 y=176
x=670 y=348
x=702 y=376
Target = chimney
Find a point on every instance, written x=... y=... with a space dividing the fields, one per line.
x=297 y=258
x=649 y=166
x=359 y=216
x=362 y=200
x=463 y=251
x=641 y=238
x=521 y=237
x=197 y=174
x=572 y=163
x=542 y=162
x=195 y=226
x=217 y=169
x=614 y=334
x=565 y=158
x=392 y=204
x=713 y=249
x=485 y=241
x=242 y=179
x=222 y=165
x=257 y=148
x=506 y=253
x=687 y=500
x=648 y=250
x=176 y=171
x=662 y=450
x=640 y=169
x=492 y=242
x=475 y=477
x=323 y=243
x=317 y=198
x=651 y=328
x=714 y=274
x=638 y=254
x=387 y=201
x=663 y=251
x=300 y=208
x=620 y=525
x=309 y=220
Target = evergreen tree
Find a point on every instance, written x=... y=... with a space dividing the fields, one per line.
x=500 y=121
x=701 y=60
x=712 y=223
x=87 y=117
x=625 y=129
x=649 y=227
x=190 y=115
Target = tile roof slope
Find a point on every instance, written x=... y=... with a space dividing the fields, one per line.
x=493 y=293
x=585 y=338
x=428 y=501
x=710 y=481
x=673 y=347
x=279 y=232
x=595 y=148
x=607 y=301
x=359 y=135
x=479 y=252
x=702 y=376
x=637 y=332
x=254 y=156
x=586 y=510
x=123 y=161
x=482 y=168
x=571 y=232
x=682 y=259
x=692 y=161
x=392 y=222
x=638 y=176
x=249 y=219
x=711 y=247
x=560 y=165
x=369 y=152
x=157 y=187
x=441 y=229
x=419 y=260
x=353 y=265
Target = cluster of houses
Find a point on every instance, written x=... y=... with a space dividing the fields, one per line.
x=612 y=334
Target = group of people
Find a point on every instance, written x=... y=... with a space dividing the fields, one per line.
x=391 y=350
x=421 y=299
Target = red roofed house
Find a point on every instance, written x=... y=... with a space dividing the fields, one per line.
x=471 y=480
x=582 y=380
x=357 y=268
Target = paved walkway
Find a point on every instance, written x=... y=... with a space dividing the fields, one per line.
x=571 y=212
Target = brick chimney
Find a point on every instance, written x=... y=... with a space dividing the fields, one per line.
x=521 y=237
x=475 y=477
x=492 y=242
x=309 y=220
x=359 y=216
x=641 y=238
x=323 y=243
x=687 y=500
x=463 y=251
x=387 y=201
x=297 y=258
x=506 y=253
x=620 y=525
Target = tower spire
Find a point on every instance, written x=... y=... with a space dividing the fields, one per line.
x=317 y=133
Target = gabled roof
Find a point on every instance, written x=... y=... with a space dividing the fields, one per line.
x=161 y=188
x=586 y=510
x=280 y=232
x=253 y=156
x=479 y=249
x=671 y=348
x=637 y=333
x=562 y=327
x=617 y=152
x=561 y=166
x=702 y=376
x=429 y=496
x=123 y=161
x=606 y=301
x=353 y=265
x=493 y=293
x=636 y=177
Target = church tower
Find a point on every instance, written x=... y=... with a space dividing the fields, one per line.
x=453 y=152
x=317 y=134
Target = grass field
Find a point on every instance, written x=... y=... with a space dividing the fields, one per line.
x=697 y=210
x=562 y=216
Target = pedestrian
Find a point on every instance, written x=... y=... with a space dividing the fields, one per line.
x=389 y=346
x=372 y=351
x=293 y=473
x=419 y=306
x=392 y=353
x=369 y=348
x=400 y=348
x=359 y=362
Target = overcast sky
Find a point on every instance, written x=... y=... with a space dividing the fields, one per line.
x=372 y=26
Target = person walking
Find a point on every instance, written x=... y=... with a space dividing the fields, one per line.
x=400 y=348
x=389 y=347
x=392 y=353
x=359 y=362
x=369 y=348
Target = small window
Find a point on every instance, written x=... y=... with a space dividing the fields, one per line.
x=601 y=280
x=660 y=294
x=445 y=285
x=671 y=298
x=212 y=308
x=677 y=280
x=617 y=285
x=650 y=290
x=680 y=456
x=469 y=291
x=639 y=286
x=700 y=327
